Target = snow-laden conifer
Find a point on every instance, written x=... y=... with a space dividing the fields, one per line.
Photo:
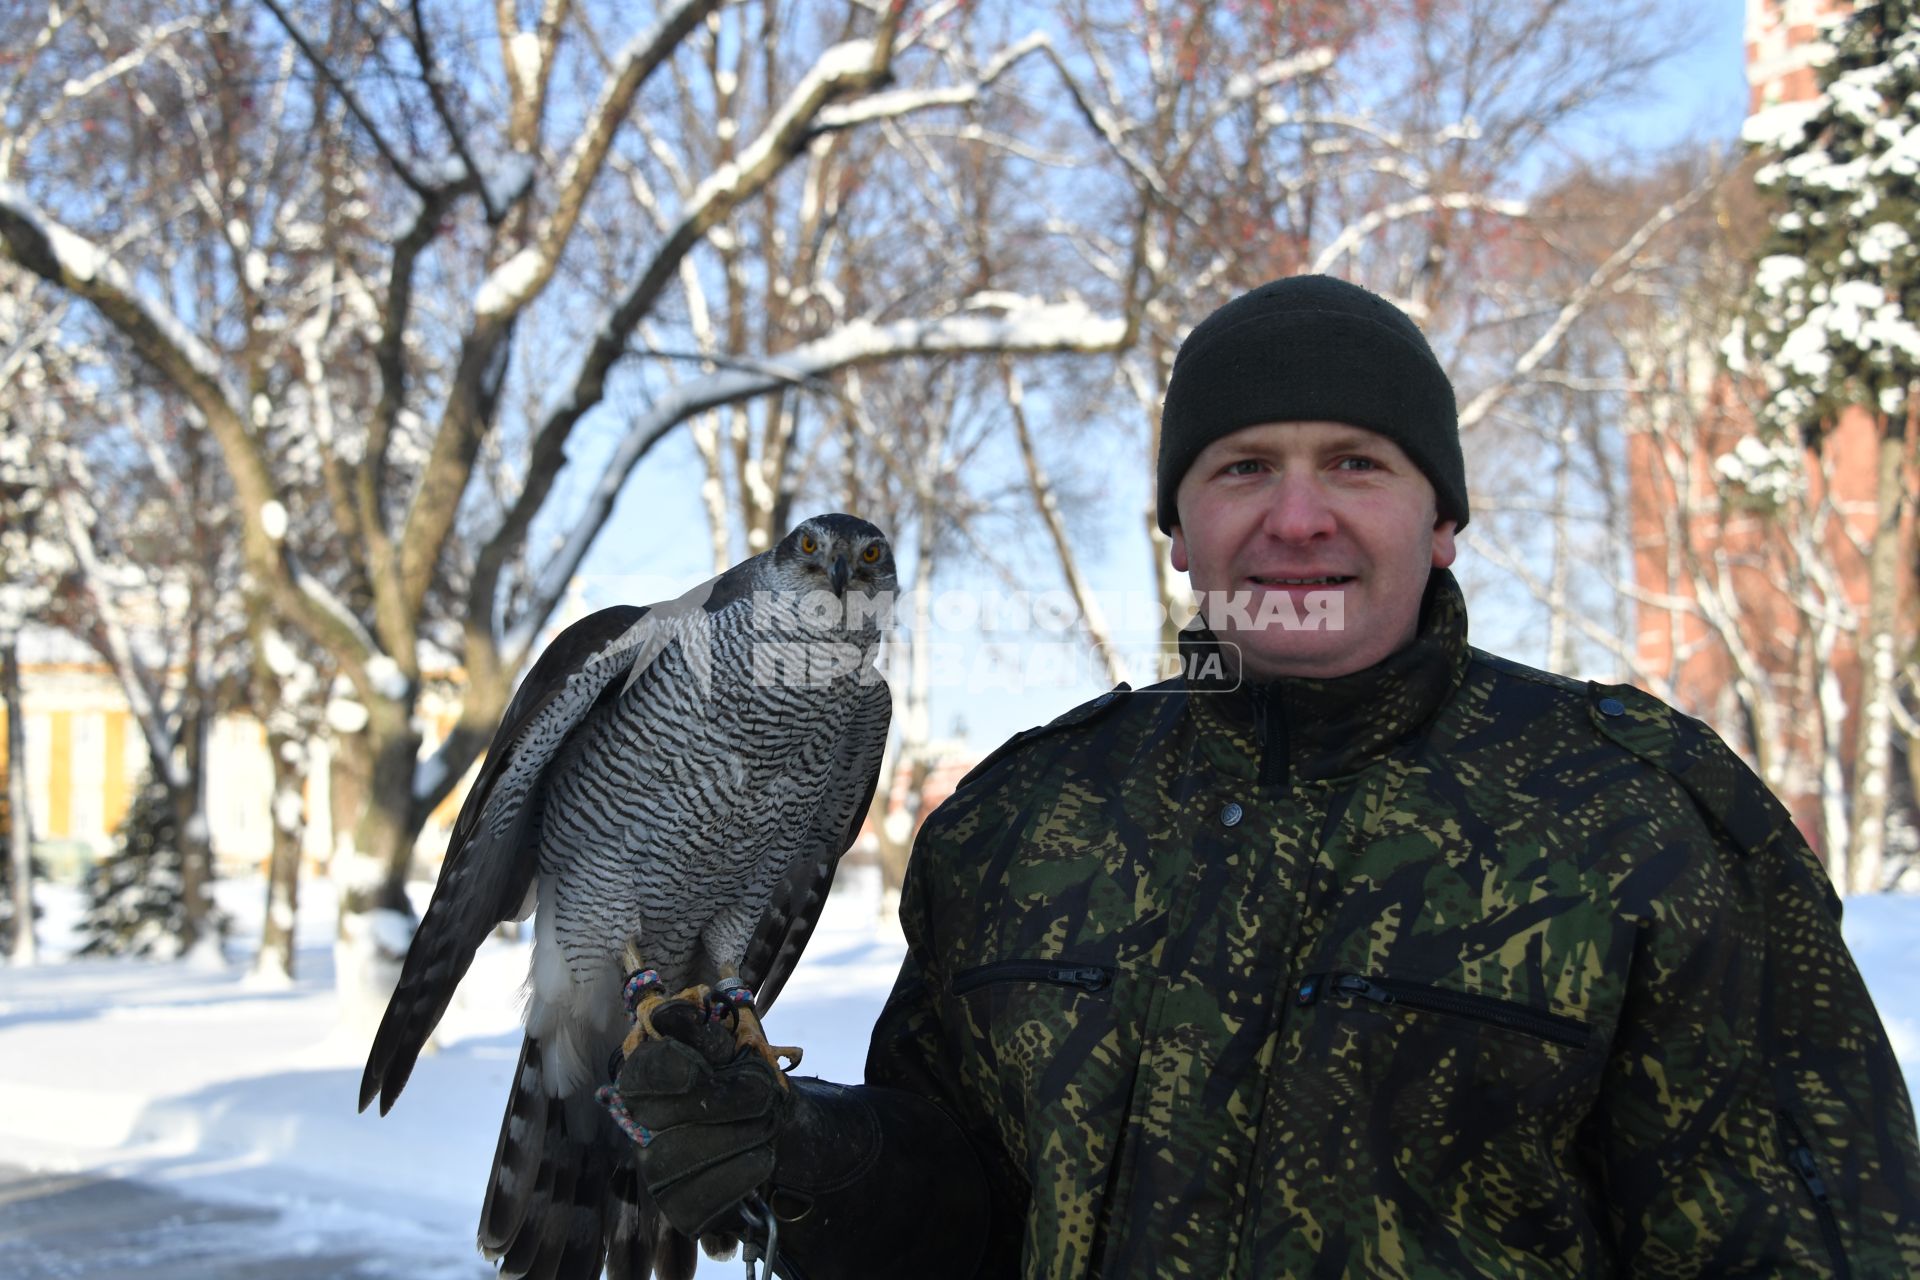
x=1832 y=331
x=137 y=894
x=1837 y=293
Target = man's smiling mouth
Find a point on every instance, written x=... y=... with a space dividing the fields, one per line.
x=1330 y=580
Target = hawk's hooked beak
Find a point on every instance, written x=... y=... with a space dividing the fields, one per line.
x=839 y=575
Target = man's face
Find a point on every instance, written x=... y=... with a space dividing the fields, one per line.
x=1299 y=508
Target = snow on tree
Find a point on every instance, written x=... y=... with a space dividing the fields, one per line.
x=15 y=907
x=137 y=895
x=438 y=279
x=154 y=593
x=32 y=565
x=125 y=518
x=21 y=500
x=1839 y=286
x=1832 y=329
x=1395 y=145
x=401 y=264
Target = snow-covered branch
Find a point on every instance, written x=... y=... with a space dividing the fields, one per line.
x=149 y=42
x=1113 y=132
x=1356 y=232
x=1276 y=72
x=1544 y=346
x=38 y=242
x=900 y=102
x=515 y=282
x=1032 y=328
x=136 y=682
x=62 y=257
x=846 y=67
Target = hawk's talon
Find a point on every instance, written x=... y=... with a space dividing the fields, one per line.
x=649 y=1004
x=749 y=1034
x=731 y=1000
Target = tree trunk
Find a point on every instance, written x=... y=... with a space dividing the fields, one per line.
x=1559 y=633
x=1095 y=625
x=373 y=800
x=897 y=829
x=275 y=961
x=1174 y=596
x=187 y=794
x=376 y=918
x=1832 y=781
x=22 y=947
x=713 y=489
x=912 y=721
x=383 y=830
x=283 y=689
x=1872 y=761
x=1910 y=733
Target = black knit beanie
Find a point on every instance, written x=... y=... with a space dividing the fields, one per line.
x=1311 y=349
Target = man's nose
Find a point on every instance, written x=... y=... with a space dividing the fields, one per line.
x=1298 y=510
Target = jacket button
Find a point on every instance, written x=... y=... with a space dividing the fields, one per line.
x=1231 y=814
x=1612 y=707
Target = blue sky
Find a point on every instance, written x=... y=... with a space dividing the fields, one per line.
x=1702 y=93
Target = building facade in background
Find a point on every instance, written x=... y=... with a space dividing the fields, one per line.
x=86 y=758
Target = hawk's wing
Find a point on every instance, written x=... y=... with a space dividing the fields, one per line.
x=790 y=916
x=491 y=856
x=490 y=859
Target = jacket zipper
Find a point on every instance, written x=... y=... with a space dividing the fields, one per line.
x=1087 y=977
x=1801 y=1160
x=1418 y=995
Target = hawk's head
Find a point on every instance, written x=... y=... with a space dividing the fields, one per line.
x=845 y=555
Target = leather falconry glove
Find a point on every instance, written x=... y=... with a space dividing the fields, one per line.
x=864 y=1181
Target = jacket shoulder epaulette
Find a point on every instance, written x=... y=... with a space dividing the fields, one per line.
x=1521 y=671
x=1086 y=713
x=1729 y=793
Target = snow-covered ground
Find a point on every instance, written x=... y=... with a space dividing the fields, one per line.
x=222 y=1090
x=200 y=1083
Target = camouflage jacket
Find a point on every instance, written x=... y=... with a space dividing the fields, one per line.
x=1448 y=968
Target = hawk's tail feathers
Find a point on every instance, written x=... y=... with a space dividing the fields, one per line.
x=517 y=1157
x=638 y=1238
x=564 y=1195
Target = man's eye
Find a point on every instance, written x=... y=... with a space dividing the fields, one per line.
x=1244 y=467
x=1352 y=463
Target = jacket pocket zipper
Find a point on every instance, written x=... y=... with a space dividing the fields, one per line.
x=1418 y=995
x=1806 y=1166
x=1087 y=977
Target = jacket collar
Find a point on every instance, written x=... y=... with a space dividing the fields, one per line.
x=1307 y=729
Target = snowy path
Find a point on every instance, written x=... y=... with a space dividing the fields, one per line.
x=231 y=1108
x=82 y=1227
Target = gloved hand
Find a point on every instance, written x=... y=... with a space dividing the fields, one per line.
x=852 y=1173
x=713 y=1113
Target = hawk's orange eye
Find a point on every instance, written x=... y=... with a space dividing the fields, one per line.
x=872 y=553
x=807 y=545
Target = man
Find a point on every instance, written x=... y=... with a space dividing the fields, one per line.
x=1376 y=956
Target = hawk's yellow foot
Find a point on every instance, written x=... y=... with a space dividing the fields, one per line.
x=645 y=995
x=748 y=1032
